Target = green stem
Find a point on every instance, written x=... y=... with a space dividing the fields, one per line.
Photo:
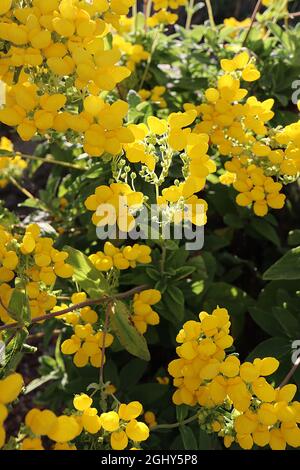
x=135 y=17
x=163 y=258
x=290 y=373
x=190 y=13
x=175 y=425
x=20 y=188
x=147 y=12
x=210 y=14
x=155 y=42
x=108 y=311
x=51 y=161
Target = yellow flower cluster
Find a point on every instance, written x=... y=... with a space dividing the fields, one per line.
x=134 y=53
x=204 y=375
x=33 y=259
x=48 y=262
x=155 y=96
x=115 y=204
x=120 y=426
x=86 y=345
x=239 y=129
x=62 y=45
x=272 y=420
x=143 y=314
x=10 y=389
x=121 y=258
x=200 y=355
x=59 y=429
x=255 y=188
x=286 y=159
x=9 y=166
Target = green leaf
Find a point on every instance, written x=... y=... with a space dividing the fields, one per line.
x=199 y=263
x=277 y=347
x=207 y=441
x=294 y=238
x=171 y=245
x=265 y=230
x=288 y=267
x=131 y=373
x=36 y=383
x=13 y=353
x=265 y=319
x=181 y=412
x=233 y=220
x=127 y=334
x=133 y=99
x=184 y=272
x=33 y=204
x=18 y=307
x=149 y=393
x=289 y=324
x=174 y=300
x=188 y=438
x=88 y=277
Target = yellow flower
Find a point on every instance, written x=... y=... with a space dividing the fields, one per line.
x=10 y=388
x=82 y=402
x=65 y=429
x=137 y=431
x=110 y=421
